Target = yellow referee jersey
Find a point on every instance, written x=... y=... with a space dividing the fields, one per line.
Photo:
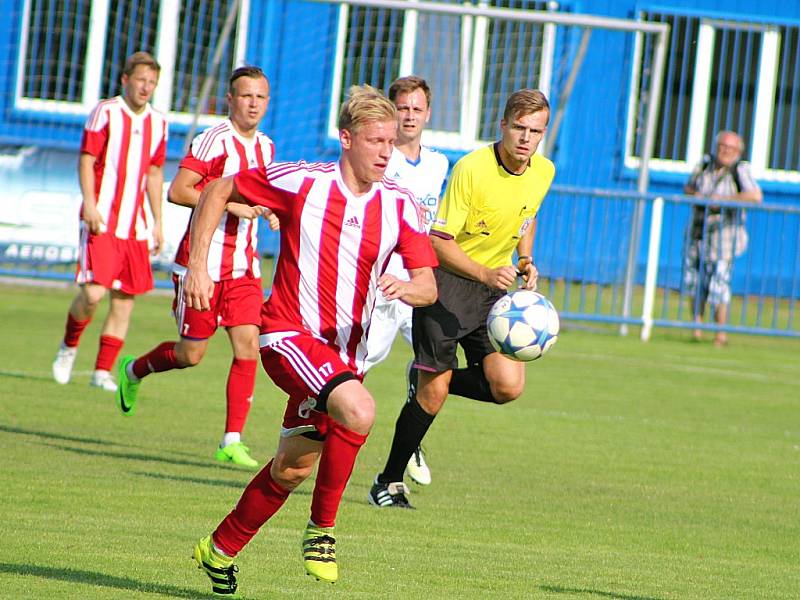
x=486 y=209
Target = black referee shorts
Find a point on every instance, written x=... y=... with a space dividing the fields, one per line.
x=457 y=317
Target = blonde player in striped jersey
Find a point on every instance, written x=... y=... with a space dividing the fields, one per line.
x=233 y=264
x=340 y=223
x=122 y=154
x=422 y=171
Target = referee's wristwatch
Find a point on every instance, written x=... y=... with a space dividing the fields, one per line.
x=521 y=271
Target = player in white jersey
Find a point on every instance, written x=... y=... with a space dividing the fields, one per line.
x=422 y=171
x=233 y=264
x=122 y=154
x=339 y=225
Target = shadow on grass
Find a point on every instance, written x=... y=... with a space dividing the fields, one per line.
x=24 y=375
x=99 y=579
x=135 y=456
x=238 y=485
x=59 y=436
x=557 y=589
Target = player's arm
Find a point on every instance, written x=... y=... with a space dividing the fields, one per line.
x=183 y=191
x=525 y=264
x=86 y=180
x=198 y=286
x=455 y=260
x=419 y=290
x=155 y=187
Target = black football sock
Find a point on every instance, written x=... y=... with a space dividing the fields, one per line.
x=471 y=383
x=411 y=426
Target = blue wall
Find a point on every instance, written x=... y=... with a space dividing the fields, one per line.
x=290 y=40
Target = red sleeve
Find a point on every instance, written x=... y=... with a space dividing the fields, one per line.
x=161 y=153
x=415 y=248
x=94 y=142
x=255 y=187
x=192 y=163
x=95 y=132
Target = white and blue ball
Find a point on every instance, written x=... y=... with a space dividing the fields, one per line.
x=523 y=325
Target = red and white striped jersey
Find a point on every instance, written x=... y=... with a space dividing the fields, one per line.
x=334 y=247
x=219 y=152
x=124 y=145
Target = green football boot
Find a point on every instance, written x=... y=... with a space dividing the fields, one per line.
x=220 y=569
x=127 y=390
x=319 y=553
x=236 y=453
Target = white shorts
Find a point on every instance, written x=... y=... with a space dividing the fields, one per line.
x=388 y=317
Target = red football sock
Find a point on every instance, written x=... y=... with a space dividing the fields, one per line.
x=241 y=381
x=73 y=331
x=338 y=457
x=261 y=499
x=159 y=359
x=107 y=354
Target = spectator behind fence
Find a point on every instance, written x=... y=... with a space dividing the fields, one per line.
x=717 y=235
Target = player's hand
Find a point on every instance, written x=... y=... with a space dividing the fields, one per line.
x=244 y=211
x=529 y=273
x=272 y=220
x=391 y=287
x=158 y=239
x=500 y=278
x=198 y=289
x=93 y=219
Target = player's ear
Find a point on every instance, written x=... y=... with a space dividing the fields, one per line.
x=345 y=139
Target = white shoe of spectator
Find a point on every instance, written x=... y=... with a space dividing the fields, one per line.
x=62 y=365
x=103 y=380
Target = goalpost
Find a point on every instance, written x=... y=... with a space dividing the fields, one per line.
x=476 y=47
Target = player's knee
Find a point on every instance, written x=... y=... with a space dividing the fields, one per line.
x=356 y=413
x=289 y=476
x=431 y=396
x=92 y=296
x=189 y=357
x=504 y=392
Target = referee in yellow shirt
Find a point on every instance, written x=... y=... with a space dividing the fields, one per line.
x=488 y=211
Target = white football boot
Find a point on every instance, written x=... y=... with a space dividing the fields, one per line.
x=63 y=363
x=104 y=381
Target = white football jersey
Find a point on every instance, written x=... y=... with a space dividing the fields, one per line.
x=425 y=179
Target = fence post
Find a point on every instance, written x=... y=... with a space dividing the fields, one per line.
x=651 y=276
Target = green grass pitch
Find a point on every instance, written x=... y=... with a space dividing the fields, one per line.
x=666 y=470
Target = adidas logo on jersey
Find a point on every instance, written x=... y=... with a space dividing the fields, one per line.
x=353 y=222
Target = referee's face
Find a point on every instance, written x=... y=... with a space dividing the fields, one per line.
x=520 y=138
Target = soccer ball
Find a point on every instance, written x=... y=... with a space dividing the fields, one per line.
x=523 y=325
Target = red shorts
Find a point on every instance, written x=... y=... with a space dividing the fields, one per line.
x=308 y=370
x=114 y=263
x=235 y=302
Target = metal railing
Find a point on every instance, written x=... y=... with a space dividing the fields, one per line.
x=583 y=243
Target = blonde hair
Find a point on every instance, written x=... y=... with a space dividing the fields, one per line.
x=525 y=102
x=365 y=104
x=140 y=58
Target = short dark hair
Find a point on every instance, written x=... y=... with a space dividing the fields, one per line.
x=525 y=102
x=246 y=71
x=406 y=85
x=140 y=58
